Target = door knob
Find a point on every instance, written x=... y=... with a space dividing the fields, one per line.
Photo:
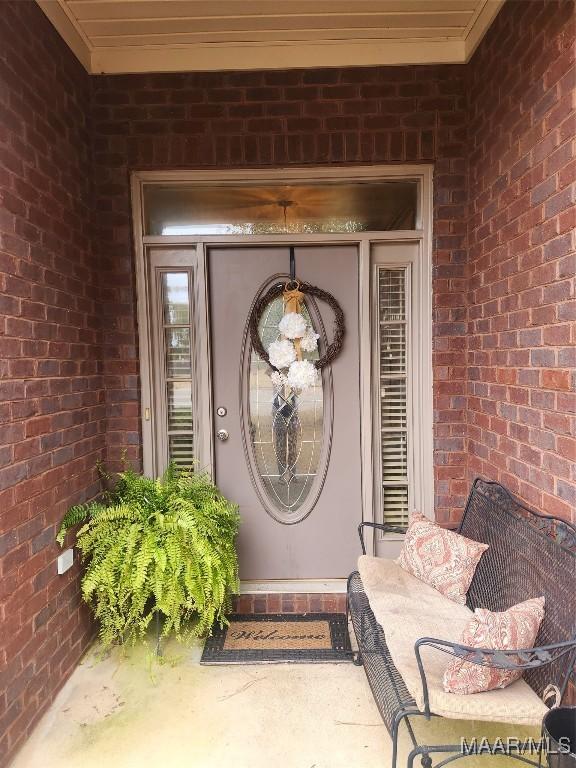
x=222 y=435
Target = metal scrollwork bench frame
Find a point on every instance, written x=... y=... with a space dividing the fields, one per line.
x=529 y=555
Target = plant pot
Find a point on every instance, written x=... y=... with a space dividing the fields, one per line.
x=560 y=723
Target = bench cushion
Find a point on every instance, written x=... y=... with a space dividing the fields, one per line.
x=407 y=609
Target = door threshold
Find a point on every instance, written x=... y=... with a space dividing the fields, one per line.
x=281 y=586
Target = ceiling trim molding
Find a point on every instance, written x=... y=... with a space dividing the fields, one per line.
x=68 y=31
x=302 y=54
x=480 y=26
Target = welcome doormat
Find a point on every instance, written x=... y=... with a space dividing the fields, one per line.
x=259 y=638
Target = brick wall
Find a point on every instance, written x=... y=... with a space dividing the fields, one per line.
x=258 y=119
x=499 y=134
x=51 y=398
x=522 y=308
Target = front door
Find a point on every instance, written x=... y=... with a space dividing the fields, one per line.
x=291 y=463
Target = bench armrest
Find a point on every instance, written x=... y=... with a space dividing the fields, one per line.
x=381 y=527
x=522 y=659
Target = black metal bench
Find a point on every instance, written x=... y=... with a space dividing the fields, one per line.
x=529 y=555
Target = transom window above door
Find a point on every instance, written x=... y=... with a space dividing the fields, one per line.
x=277 y=209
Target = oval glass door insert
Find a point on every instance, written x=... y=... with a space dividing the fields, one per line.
x=287 y=435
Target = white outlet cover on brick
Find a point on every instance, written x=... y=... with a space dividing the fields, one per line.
x=65 y=560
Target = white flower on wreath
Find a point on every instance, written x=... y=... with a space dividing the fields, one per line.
x=281 y=353
x=302 y=375
x=278 y=380
x=309 y=342
x=292 y=325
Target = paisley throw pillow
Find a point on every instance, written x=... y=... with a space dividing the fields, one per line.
x=509 y=630
x=441 y=558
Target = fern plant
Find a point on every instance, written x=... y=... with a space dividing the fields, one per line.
x=152 y=547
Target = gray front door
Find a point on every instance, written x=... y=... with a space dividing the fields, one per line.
x=291 y=463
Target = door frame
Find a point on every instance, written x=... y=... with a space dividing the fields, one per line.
x=199 y=244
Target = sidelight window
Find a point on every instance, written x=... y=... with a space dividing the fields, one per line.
x=175 y=366
x=393 y=329
x=401 y=388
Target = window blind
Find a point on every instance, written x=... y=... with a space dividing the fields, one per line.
x=177 y=366
x=393 y=332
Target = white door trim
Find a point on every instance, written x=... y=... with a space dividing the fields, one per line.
x=364 y=240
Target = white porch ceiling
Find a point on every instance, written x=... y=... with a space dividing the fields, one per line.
x=117 y=36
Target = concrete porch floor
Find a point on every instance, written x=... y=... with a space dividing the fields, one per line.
x=121 y=712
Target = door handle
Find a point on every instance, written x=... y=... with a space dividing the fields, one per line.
x=222 y=435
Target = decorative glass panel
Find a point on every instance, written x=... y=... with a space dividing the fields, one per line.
x=176 y=298
x=392 y=294
x=286 y=431
x=395 y=502
x=393 y=347
x=181 y=450
x=393 y=457
x=178 y=362
x=393 y=373
x=393 y=405
x=178 y=371
x=179 y=406
x=253 y=209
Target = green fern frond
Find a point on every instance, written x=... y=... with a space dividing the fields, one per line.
x=157 y=546
x=75 y=515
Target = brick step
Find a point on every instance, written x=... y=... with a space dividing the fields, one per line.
x=290 y=602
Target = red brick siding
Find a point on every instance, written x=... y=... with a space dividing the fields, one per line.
x=522 y=335
x=290 y=602
x=258 y=119
x=51 y=397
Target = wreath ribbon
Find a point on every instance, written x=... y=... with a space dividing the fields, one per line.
x=293 y=300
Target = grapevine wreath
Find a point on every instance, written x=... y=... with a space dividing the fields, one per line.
x=296 y=334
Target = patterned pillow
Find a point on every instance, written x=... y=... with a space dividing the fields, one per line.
x=510 y=630
x=441 y=558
